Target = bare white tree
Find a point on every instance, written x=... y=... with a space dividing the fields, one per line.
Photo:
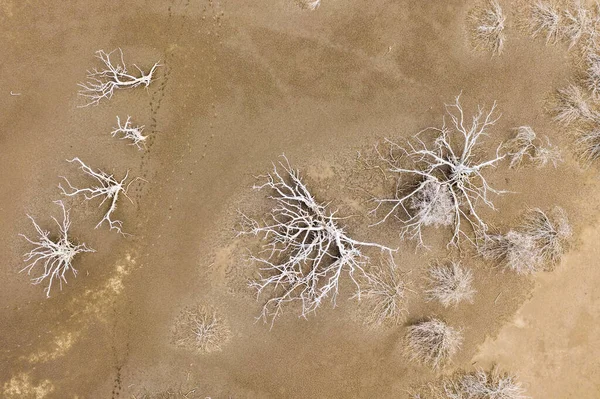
x=526 y=145
x=545 y=19
x=450 y=284
x=199 y=328
x=102 y=83
x=488 y=27
x=54 y=255
x=432 y=342
x=130 y=132
x=306 y=250
x=108 y=188
x=446 y=177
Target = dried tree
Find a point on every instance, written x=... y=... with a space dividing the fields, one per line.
x=108 y=188
x=199 y=328
x=432 y=342
x=488 y=27
x=450 y=284
x=446 y=181
x=130 y=132
x=54 y=255
x=306 y=251
x=102 y=83
x=526 y=145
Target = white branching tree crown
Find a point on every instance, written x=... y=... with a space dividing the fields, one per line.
x=129 y=132
x=108 y=188
x=54 y=255
x=440 y=175
x=306 y=251
x=102 y=83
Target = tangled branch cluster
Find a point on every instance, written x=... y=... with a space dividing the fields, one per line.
x=538 y=244
x=526 y=146
x=108 y=189
x=130 y=132
x=309 y=4
x=576 y=105
x=575 y=24
x=306 y=251
x=445 y=173
x=432 y=342
x=384 y=294
x=480 y=384
x=102 y=83
x=450 y=284
x=488 y=24
x=199 y=328
x=54 y=255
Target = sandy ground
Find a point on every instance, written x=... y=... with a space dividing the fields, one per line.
x=554 y=336
x=242 y=83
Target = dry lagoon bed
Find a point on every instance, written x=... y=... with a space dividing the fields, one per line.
x=240 y=83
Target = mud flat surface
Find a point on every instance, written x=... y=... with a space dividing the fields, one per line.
x=241 y=83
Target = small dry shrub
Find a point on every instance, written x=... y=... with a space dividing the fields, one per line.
x=488 y=385
x=173 y=394
x=479 y=384
x=551 y=232
x=591 y=77
x=588 y=144
x=572 y=104
x=434 y=204
x=309 y=4
x=526 y=146
x=577 y=23
x=545 y=19
x=487 y=29
x=538 y=244
x=432 y=342
x=450 y=284
x=384 y=296
x=199 y=328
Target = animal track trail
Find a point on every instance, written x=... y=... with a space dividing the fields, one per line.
x=155 y=104
x=117 y=386
x=120 y=358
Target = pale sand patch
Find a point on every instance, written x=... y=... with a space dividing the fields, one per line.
x=553 y=342
x=59 y=347
x=96 y=303
x=21 y=386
